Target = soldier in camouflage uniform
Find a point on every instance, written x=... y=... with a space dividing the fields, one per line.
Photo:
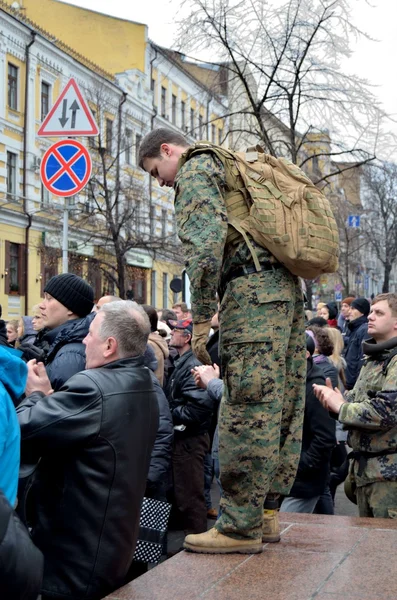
x=261 y=346
x=369 y=412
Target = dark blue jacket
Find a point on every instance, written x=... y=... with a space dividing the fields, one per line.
x=66 y=352
x=354 y=350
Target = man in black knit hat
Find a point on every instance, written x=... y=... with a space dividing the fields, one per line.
x=68 y=299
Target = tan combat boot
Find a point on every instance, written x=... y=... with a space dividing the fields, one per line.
x=214 y=542
x=271 y=526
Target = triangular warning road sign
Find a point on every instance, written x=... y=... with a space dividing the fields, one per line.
x=70 y=115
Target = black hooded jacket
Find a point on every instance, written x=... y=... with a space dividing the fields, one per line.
x=190 y=406
x=318 y=440
x=65 y=351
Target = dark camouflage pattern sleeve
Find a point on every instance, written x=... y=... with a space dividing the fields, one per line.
x=202 y=228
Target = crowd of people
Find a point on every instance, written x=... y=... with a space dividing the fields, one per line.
x=93 y=392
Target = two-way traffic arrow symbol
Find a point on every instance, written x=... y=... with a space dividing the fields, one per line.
x=74 y=108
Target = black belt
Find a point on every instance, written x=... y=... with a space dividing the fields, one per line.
x=361 y=457
x=246 y=270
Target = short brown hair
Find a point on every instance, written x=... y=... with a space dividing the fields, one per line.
x=182 y=306
x=151 y=143
x=391 y=300
x=323 y=342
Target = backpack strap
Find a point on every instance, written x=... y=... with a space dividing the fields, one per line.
x=223 y=155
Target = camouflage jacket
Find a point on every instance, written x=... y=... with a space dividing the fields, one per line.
x=202 y=228
x=371 y=414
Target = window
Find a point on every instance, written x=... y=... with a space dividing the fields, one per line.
x=138 y=139
x=163 y=100
x=213 y=134
x=165 y=290
x=220 y=135
x=164 y=223
x=192 y=119
x=127 y=147
x=14 y=268
x=109 y=135
x=11 y=174
x=152 y=220
x=138 y=208
x=12 y=86
x=201 y=129
x=45 y=195
x=173 y=109
x=153 y=84
x=92 y=141
x=45 y=100
x=183 y=115
x=153 y=284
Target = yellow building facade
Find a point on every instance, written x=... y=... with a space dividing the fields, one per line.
x=152 y=91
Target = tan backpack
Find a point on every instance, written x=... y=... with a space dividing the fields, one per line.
x=283 y=211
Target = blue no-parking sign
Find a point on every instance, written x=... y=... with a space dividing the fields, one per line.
x=66 y=168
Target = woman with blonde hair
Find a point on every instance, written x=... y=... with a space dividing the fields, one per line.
x=336 y=356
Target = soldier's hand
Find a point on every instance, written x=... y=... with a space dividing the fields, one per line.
x=199 y=342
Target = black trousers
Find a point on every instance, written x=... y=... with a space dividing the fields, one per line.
x=188 y=474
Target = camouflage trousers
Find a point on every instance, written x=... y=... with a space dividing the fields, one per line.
x=378 y=500
x=263 y=358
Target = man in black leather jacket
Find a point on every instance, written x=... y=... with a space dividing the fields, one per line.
x=95 y=437
x=191 y=410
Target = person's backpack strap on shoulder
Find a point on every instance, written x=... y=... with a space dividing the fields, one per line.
x=274 y=202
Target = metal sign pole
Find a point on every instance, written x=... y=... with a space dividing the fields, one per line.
x=65 y=243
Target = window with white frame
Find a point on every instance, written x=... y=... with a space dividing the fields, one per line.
x=128 y=146
x=173 y=109
x=45 y=99
x=138 y=139
x=12 y=86
x=201 y=128
x=164 y=223
x=109 y=135
x=45 y=195
x=163 y=101
x=11 y=174
x=183 y=115
x=152 y=219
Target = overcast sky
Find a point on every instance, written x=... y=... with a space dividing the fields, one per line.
x=372 y=60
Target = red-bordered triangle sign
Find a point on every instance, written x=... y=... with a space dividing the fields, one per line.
x=70 y=115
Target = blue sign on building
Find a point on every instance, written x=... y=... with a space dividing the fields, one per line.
x=353 y=221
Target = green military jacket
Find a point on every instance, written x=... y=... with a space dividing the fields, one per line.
x=370 y=417
x=202 y=224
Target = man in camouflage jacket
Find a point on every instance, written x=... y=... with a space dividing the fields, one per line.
x=261 y=344
x=369 y=412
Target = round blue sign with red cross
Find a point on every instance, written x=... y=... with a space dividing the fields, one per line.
x=66 y=168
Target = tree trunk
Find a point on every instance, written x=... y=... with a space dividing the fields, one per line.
x=121 y=275
x=386 y=278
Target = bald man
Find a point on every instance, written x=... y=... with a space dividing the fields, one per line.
x=104 y=300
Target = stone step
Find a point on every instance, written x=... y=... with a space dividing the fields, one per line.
x=319 y=557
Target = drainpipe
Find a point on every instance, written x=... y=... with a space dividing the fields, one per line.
x=24 y=186
x=154 y=115
x=122 y=100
